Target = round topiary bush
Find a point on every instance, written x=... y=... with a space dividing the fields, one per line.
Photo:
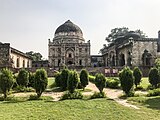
x=23 y=78
x=127 y=80
x=6 y=81
x=137 y=76
x=72 y=81
x=84 y=78
x=100 y=81
x=154 y=77
x=41 y=81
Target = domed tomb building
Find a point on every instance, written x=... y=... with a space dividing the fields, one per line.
x=68 y=47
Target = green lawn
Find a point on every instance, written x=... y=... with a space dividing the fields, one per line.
x=149 y=102
x=97 y=109
x=50 y=81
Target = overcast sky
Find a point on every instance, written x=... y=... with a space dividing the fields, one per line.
x=28 y=24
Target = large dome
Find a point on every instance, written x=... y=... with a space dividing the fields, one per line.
x=68 y=27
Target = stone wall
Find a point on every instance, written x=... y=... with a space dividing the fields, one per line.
x=5 y=55
x=24 y=62
x=60 y=52
x=138 y=50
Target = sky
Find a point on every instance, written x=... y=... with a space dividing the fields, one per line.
x=28 y=24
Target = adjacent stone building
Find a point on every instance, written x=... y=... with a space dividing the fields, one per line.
x=13 y=58
x=97 y=61
x=131 y=50
x=68 y=47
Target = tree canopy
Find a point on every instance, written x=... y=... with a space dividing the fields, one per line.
x=118 y=32
x=35 y=56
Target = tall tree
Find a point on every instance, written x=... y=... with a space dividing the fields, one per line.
x=118 y=32
x=141 y=33
x=35 y=56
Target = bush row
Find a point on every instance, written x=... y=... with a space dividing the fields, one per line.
x=20 y=81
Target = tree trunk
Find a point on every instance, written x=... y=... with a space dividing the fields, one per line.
x=39 y=94
x=83 y=88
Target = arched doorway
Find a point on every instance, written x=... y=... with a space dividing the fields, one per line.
x=122 y=59
x=69 y=56
x=146 y=58
x=70 y=62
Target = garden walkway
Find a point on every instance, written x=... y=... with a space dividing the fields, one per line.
x=112 y=94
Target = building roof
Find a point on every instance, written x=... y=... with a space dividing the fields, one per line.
x=68 y=26
x=20 y=53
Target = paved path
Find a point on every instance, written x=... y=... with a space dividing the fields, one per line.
x=113 y=94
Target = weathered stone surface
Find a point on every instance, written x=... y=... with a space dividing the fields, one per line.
x=131 y=52
x=12 y=58
x=68 y=47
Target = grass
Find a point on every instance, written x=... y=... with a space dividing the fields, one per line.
x=97 y=109
x=50 y=82
x=149 y=102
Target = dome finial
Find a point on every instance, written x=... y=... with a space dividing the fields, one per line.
x=68 y=21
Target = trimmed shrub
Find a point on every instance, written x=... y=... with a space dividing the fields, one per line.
x=127 y=80
x=139 y=87
x=6 y=81
x=58 y=79
x=112 y=82
x=14 y=80
x=23 y=78
x=79 y=86
x=41 y=81
x=154 y=92
x=84 y=78
x=92 y=78
x=31 y=80
x=74 y=95
x=154 y=77
x=150 y=87
x=137 y=76
x=72 y=81
x=100 y=81
x=98 y=95
x=64 y=78
x=157 y=63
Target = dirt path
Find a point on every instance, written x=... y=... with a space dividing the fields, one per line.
x=113 y=94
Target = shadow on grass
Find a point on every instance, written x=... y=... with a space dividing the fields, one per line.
x=153 y=103
x=12 y=100
x=24 y=99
